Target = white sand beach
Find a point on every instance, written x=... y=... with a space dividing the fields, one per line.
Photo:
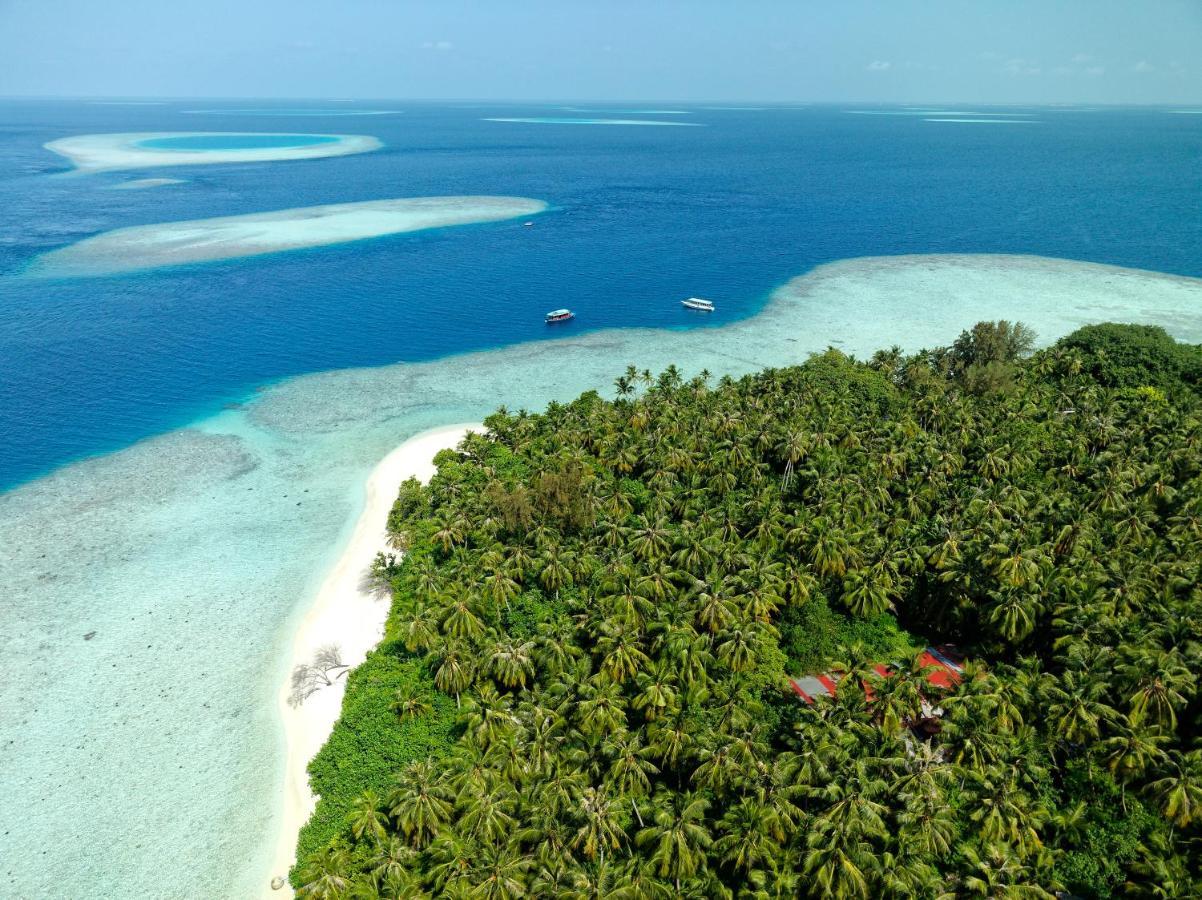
x=350 y=613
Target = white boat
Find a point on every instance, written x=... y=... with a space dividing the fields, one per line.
x=559 y=315
x=698 y=303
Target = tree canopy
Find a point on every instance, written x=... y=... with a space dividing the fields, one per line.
x=582 y=691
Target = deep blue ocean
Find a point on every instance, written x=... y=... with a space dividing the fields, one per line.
x=641 y=218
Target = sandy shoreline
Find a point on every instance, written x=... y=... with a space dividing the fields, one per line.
x=348 y=613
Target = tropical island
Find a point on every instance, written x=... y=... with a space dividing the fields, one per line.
x=584 y=685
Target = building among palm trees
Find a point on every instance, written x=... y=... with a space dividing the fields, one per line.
x=943 y=666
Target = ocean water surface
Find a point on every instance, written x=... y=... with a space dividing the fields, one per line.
x=642 y=218
x=151 y=592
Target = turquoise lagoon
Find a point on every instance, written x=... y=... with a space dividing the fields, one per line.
x=236 y=141
x=232 y=410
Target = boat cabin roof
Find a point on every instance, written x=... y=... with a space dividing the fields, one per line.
x=559 y=312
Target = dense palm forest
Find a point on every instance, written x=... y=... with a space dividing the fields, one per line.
x=583 y=688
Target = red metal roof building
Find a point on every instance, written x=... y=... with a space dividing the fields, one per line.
x=944 y=667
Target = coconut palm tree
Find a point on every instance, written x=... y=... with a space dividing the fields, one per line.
x=599 y=827
x=678 y=837
x=1179 y=791
x=367 y=820
x=325 y=875
x=419 y=804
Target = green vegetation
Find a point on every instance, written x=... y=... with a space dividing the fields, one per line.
x=582 y=691
x=1136 y=356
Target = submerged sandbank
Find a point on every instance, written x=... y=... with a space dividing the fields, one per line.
x=629 y=112
x=921 y=112
x=970 y=121
x=349 y=612
x=96 y=152
x=141 y=184
x=153 y=750
x=551 y=120
x=275 y=111
x=229 y=237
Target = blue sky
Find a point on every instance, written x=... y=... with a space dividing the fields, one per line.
x=1057 y=51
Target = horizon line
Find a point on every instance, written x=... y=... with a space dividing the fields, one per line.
x=924 y=102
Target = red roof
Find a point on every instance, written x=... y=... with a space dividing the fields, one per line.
x=943 y=662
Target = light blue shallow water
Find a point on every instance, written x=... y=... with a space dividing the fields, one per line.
x=144 y=761
x=235 y=141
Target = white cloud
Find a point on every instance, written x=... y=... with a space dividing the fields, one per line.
x=879 y=65
x=1143 y=67
x=1021 y=66
x=437 y=45
x=1078 y=66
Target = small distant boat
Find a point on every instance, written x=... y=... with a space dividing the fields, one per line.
x=527 y=224
x=698 y=303
x=559 y=315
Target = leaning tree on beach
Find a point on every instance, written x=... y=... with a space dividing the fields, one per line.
x=582 y=691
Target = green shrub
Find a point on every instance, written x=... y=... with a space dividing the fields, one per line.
x=370 y=744
x=1133 y=356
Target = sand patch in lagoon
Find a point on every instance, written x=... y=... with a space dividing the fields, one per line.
x=551 y=120
x=253 y=234
x=286 y=113
x=141 y=184
x=988 y=121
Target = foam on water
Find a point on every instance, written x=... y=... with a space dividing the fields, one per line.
x=630 y=112
x=229 y=237
x=146 y=760
x=922 y=112
x=988 y=121
x=276 y=111
x=95 y=152
x=546 y=120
